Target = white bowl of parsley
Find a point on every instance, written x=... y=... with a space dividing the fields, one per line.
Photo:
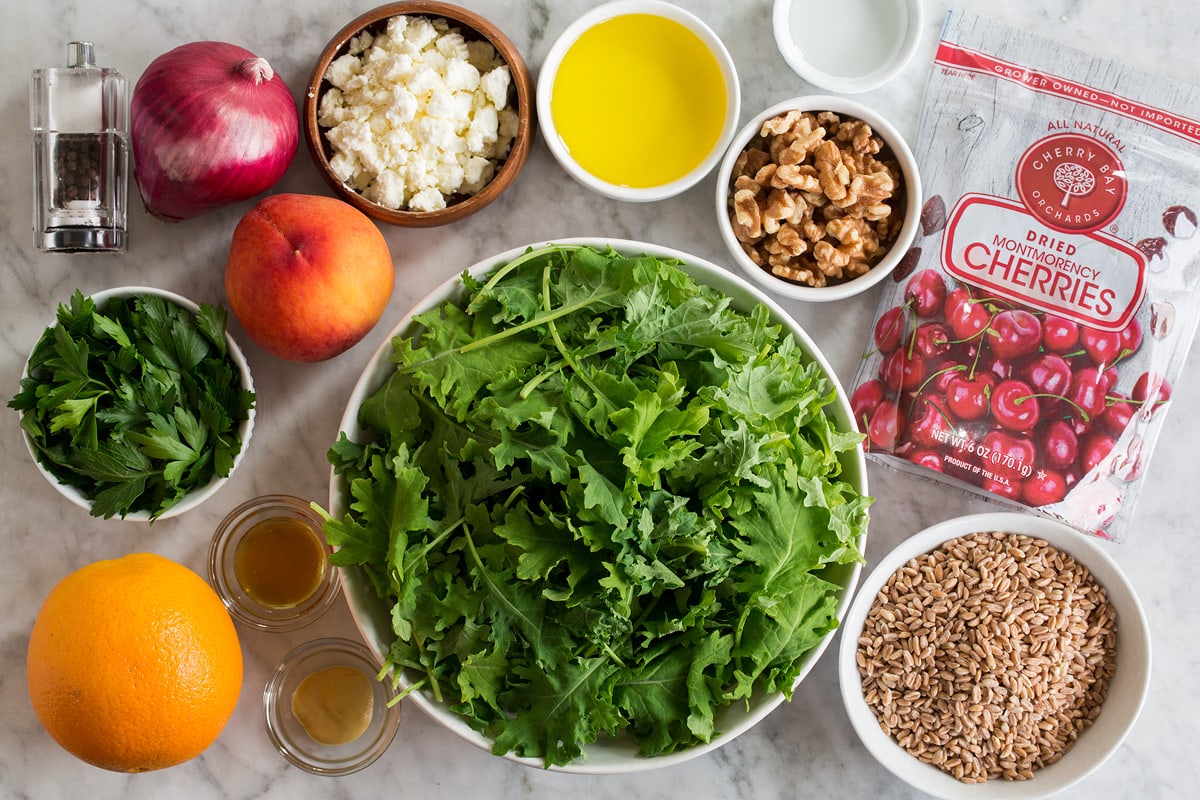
x=136 y=403
x=600 y=505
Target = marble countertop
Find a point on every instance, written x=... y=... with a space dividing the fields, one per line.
x=803 y=749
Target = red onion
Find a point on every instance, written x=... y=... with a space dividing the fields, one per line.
x=211 y=124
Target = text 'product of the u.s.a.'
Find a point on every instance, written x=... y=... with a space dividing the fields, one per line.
x=1029 y=342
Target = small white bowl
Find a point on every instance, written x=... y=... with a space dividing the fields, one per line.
x=549 y=71
x=197 y=496
x=1126 y=692
x=848 y=46
x=911 y=189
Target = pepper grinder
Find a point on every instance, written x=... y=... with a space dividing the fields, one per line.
x=79 y=115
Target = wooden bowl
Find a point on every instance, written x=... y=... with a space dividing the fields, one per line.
x=472 y=27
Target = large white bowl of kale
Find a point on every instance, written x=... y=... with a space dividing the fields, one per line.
x=600 y=505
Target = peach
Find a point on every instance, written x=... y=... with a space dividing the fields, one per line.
x=308 y=276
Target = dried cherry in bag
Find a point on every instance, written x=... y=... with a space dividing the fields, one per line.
x=1052 y=295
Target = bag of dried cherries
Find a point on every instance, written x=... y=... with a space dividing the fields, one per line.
x=1029 y=341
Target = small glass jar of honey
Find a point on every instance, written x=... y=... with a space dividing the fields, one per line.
x=269 y=562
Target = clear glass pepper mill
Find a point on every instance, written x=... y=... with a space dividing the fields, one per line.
x=80 y=120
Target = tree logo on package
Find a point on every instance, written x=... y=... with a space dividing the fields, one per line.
x=1072 y=183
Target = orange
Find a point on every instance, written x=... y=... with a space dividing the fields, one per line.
x=134 y=664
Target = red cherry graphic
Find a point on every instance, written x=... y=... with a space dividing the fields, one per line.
x=970 y=398
x=1131 y=338
x=1014 y=334
x=999 y=368
x=930 y=459
x=1058 y=444
x=1047 y=373
x=1093 y=449
x=1150 y=390
x=1079 y=424
x=1044 y=487
x=1059 y=335
x=954 y=298
x=889 y=329
x=1010 y=454
x=1102 y=347
x=1088 y=388
x=1014 y=406
x=884 y=428
x=945 y=371
x=932 y=423
x=967 y=318
x=1072 y=475
x=925 y=292
x=865 y=400
x=1117 y=415
x=1003 y=488
x=932 y=340
x=900 y=370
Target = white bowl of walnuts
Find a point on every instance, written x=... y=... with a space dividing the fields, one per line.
x=818 y=198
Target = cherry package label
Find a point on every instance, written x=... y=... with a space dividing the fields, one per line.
x=1027 y=345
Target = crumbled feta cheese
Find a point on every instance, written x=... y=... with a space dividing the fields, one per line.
x=495 y=86
x=360 y=43
x=420 y=32
x=509 y=124
x=342 y=69
x=429 y=199
x=388 y=189
x=417 y=114
x=331 y=111
x=402 y=106
x=452 y=45
x=452 y=106
x=484 y=129
x=449 y=176
x=477 y=171
x=461 y=76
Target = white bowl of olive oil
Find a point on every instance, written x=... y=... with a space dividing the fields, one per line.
x=638 y=99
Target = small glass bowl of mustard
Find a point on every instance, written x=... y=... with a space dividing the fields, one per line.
x=269 y=562
x=328 y=712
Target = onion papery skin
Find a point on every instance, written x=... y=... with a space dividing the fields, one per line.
x=211 y=124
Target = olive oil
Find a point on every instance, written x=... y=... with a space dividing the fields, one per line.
x=639 y=100
x=279 y=562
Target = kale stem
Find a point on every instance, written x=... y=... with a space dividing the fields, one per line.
x=434 y=686
x=436 y=541
x=567 y=355
x=536 y=380
x=534 y=322
x=529 y=255
x=615 y=658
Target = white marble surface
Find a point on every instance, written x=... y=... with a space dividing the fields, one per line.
x=805 y=749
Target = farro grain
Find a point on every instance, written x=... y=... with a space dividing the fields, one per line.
x=988 y=656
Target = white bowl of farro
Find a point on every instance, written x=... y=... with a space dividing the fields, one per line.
x=996 y=655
